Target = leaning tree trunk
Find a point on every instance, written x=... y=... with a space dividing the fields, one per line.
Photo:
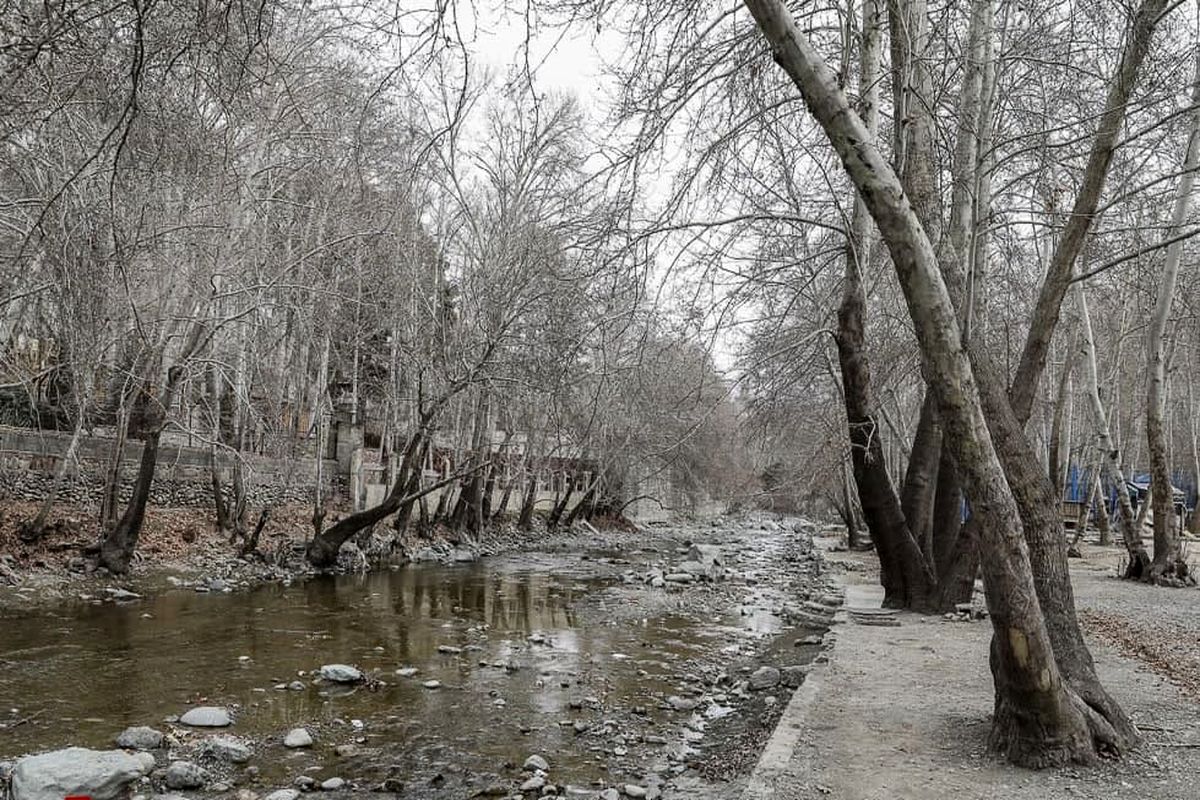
x=120 y=542
x=322 y=551
x=1040 y=719
x=1168 y=565
x=1131 y=527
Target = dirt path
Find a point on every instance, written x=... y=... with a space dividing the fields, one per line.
x=903 y=713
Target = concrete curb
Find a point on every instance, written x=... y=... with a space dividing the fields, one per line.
x=779 y=757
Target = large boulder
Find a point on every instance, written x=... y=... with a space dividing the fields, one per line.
x=98 y=774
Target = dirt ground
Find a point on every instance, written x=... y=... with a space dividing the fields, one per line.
x=903 y=713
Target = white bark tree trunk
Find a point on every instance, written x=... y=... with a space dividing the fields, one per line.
x=1168 y=566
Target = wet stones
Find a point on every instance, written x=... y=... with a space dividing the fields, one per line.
x=207 y=717
x=140 y=738
x=341 y=673
x=764 y=678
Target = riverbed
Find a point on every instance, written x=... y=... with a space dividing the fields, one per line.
x=571 y=654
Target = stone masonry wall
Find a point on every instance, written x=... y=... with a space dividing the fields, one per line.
x=29 y=459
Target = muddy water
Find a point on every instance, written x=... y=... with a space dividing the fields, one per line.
x=558 y=657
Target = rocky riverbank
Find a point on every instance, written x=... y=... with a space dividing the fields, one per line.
x=737 y=609
x=179 y=548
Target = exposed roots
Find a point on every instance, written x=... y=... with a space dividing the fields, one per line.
x=1175 y=574
x=1138 y=566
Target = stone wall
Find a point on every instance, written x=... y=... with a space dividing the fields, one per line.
x=30 y=458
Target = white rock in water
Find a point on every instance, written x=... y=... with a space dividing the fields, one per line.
x=432 y=684
x=536 y=762
x=341 y=673
x=333 y=784
x=633 y=790
x=100 y=775
x=298 y=737
x=207 y=717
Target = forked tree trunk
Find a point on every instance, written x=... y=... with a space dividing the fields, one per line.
x=1040 y=720
x=1168 y=565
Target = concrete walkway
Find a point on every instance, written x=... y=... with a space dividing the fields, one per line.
x=903 y=713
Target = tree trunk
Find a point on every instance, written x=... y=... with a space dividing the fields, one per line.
x=1131 y=530
x=120 y=542
x=525 y=519
x=1057 y=467
x=112 y=476
x=1040 y=719
x=1168 y=565
x=33 y=530
x=1062 y=264
x=904 y=577
x=322 y=551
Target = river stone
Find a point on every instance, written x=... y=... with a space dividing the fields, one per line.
x=140 y=738
x=298 y=737
x=793 y=676
x=609 y=794
x=432 y=684
x=341 y=673
x=185 y=775
x=283 y=794
x=207 y=717
x=100 y=775
x=536 y=762
x=706 y=554
x=682 y=703
x=227 y=748
x=633 y=790
x=764 y=678
x=679 y=577
x=534 y=784
x=333 y=784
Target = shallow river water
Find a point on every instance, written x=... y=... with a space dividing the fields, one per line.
x=558 y=657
